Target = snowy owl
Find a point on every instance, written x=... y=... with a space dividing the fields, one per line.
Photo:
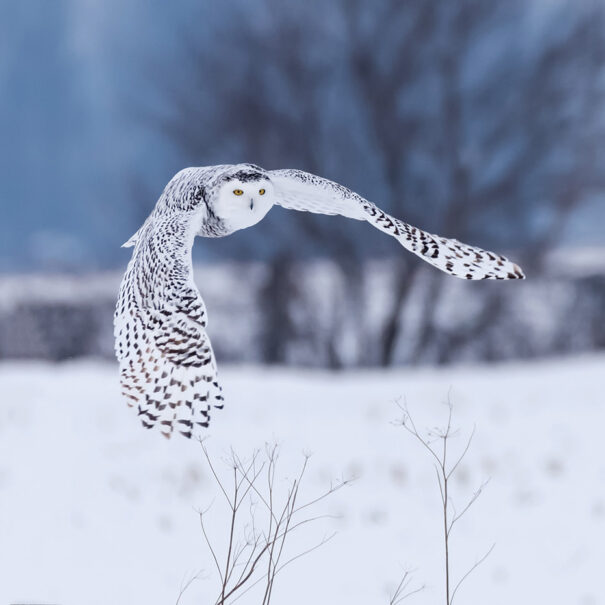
x=167 y=367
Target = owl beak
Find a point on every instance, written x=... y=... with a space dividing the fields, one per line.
x=251 y=203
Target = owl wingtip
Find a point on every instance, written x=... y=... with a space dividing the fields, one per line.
x=518 y=272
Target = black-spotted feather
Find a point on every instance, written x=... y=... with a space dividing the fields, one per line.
x=298 y=190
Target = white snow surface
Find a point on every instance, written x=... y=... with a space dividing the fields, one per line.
x=94 y=510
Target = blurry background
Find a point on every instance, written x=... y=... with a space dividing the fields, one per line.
x=482 y=120
x=477 y=120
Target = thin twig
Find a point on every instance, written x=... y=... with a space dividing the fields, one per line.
x=487 y=554
x=444 y=473
x=399 y=595
x=252 y=546
x=186 y=585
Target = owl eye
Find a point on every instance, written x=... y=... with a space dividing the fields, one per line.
x=261 y=191
x=238 y=192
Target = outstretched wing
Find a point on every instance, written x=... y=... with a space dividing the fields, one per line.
x=298 y=190
x=167 y=367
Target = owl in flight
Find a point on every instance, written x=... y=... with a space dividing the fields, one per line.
x=167 y=367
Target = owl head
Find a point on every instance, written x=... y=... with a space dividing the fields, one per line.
x=240 y=197
x=217 y=199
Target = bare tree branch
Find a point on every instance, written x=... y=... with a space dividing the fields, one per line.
x=487 y=554
x=258 y=533
x=444 y=474
x=399 y=594
x=186 y=585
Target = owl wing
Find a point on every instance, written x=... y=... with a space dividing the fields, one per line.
x=167 y=368
x=298 y=190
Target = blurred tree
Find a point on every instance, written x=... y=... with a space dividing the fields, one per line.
x=513 y=108
x=431 y=109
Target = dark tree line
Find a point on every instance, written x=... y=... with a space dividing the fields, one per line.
x=469 y=118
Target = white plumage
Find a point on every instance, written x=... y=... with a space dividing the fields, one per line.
x=167 y=367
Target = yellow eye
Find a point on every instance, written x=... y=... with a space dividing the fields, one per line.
x=261 y=191
x=238 y=192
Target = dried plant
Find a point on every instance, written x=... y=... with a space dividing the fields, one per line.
x=402 y=591
x=260 y=522
x=436 y=442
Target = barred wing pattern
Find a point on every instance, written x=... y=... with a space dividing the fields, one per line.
x=167 y=366
x=167 y=371
x=172 y=395
x=298 y=190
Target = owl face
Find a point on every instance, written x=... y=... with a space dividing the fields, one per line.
x=243 y=199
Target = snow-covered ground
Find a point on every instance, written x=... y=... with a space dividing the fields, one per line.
x=95 y=510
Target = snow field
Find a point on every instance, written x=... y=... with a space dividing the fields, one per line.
x=95 y=510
